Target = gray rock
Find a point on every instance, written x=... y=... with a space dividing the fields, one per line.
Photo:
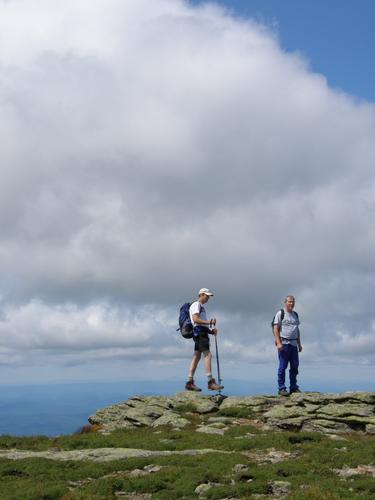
x=279 y=489
x=289 y=424
x=345 y=409
x=270 y=456
x=250 y=402
x=278 y=413
x=151 y=468
x=364 y=397
x=240 y=468
x=325 y=426
x=347 y=472
x=207 y=429
x=171 y=418
x=217 y=425
x=201 y=403
x=202 y=489
x=137 y=417
x=137 y=473
x=223 y=420
x=336 y=437
x=316 y=398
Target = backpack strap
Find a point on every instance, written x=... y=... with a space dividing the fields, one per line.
x=283 y=314
x=282 y=317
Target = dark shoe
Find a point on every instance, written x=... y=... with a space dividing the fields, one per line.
x=294 y=390
x=190 y=386
x=283 y=392
x=213 y=386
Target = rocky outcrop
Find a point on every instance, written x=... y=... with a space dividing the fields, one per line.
x=310 y=411
x=327 y=413
x=154 y=411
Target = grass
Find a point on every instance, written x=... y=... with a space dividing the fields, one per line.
x=238 y=412
x=310 y=473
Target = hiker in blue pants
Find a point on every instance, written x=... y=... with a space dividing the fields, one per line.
x=288 y=343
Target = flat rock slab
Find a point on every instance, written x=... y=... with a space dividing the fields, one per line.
x=270 y=456
x=251 y=402
x=347 y=409
x=347 y=472
x=207 y=429
x=101 y=454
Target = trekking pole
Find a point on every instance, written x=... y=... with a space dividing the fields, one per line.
x=218 y=365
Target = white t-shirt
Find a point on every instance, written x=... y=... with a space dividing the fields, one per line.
x=197 y=308
x=288 y=327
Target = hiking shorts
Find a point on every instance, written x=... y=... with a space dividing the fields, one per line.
x=202 y=341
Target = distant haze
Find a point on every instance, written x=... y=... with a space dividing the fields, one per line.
x=151 y=148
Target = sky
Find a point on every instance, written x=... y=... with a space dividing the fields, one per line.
x=155 y=147
x=335 y=37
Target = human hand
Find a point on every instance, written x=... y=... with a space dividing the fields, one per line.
x=214 y=331
x=299 y=348
x=279 y=346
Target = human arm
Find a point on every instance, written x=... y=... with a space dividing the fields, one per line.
x=299 y=345
x=196 y=309
x=204 y=322
x=276 y=332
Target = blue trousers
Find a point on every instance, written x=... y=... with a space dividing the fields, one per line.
x=289 y=354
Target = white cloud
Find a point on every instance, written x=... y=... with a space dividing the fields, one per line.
x=151 y=148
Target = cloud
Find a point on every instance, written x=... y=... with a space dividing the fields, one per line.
x=151 y=148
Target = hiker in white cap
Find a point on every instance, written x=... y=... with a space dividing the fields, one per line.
x=202 y=328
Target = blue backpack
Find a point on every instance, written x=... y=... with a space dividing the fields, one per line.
x=186 y=327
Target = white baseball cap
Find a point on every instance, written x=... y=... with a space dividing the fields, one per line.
x=206 y=291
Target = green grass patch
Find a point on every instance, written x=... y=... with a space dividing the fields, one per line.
x=309 y=471
x=236 y=411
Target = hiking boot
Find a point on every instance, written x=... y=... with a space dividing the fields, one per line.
x=190 y=386
x=213 y=386
x=283 y=392
x=294 y=390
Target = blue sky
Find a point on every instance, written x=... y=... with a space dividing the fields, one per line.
x=337 y=36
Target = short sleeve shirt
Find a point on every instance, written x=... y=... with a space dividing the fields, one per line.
x=288 y=327
x=197 y=308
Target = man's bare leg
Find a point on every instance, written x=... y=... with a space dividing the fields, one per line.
x=207 y=364
x=190 y=386
x=194 y=364
x=212 y=385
